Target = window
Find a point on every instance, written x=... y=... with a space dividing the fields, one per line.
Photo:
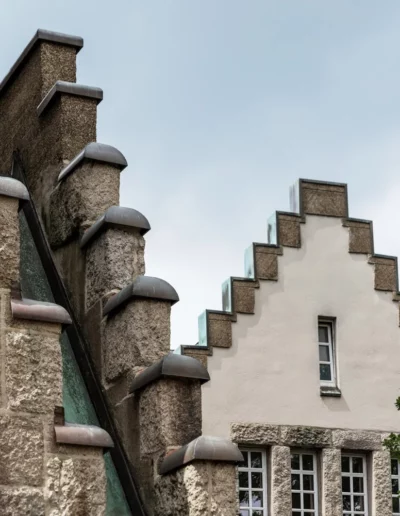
x=252 y=480
x=395 y=487
x=327 y=372
x=304 y=484
x=354 y=485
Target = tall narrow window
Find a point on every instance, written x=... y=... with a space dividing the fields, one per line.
x=304 y=484
x=354 y=485
x=395 y=487
x=252 y=483
x=327 y=369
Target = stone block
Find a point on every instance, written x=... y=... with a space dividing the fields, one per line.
x=21 y=450
x=9 y=241
x=169 y=415
x=22 y=501
x=289 y=230
x=33 y=372
x=198 y=354
x=324 y=199
x=136 y=337
x=219 y=327
x=113 y=260
x=357 y=440
x=305 y=436
x=360 y=237
x=255 y=434
x=381 y=483
x=331 y=482
x=80 y=199
x=385 y=273
x=243 y=296
x=281 y=494
x=266 y=264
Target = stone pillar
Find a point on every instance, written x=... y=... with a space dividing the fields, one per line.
x=281 y=494
x=381 y=483
x=331 y=482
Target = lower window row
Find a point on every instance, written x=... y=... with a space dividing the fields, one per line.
x=304 y=484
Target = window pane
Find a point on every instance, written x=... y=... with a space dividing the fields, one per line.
x=325 y=372
x=258 y=513
x=346 y=484
x=295 y=461
x=256 y=480
x=308 y=500
x=395 y=485
x=357 y=464
x=244 y=498
x=346 y=464
x=296 y=503
x=346 y=503
x=395 y=468
x=256 y=461
x=257 y=498
x=358 y=485
x=358 y=503
x=324 y=353
x=395 y=504
x=308 y=483
x=323 y=334
x=308 y=462
x=243 y=479
x=244 y=513
x=296 y=482
x=245 y=463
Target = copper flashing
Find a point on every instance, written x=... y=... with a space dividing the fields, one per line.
x=209 y=448
x=171 y=366
x=97 y=152
x=70 y=88
x=118 y=217
x=39 y=311
x=145 y=287
x=83 y=435
x=41 y=35
x=10 y=187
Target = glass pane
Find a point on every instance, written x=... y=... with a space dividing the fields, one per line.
x=325 y=372
x=258 y=513
x=243 y=479
x=346 y=503
x=357 y=464
x=346 y=464
x=346 y=484
x=308 y=513
x=245 y=463
x=296 y=503
x=256 y=480
x=295 y=461
x=358 y=503
x=395 y=504
x=308 y=483
x=308 y=462
x=244 y=498
x=257 y=498
x=323 y=334
x=358 y=485
x=324 y=353
x=308 y=500
x=256 y=461
x=244 y=513
x=395 y=485
x=395 y=467
x=296 y=482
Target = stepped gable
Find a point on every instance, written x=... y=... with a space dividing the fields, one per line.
x=307 y=198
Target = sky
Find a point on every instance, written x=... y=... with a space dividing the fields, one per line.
x=220 y=105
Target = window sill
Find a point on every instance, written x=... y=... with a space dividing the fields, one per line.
x=333 y=392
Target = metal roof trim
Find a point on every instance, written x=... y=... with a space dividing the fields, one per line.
x=83 y=435
x=70 y=88
x=10 y=187
x=216 y=449
x=175 y=366
x=39 y=311
x=116 y=216
x=40 y=35
x=97 y=152
x=142 y=287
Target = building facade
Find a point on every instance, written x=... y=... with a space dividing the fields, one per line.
x=280 y=409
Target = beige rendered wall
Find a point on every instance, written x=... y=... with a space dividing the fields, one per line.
x=271 y=375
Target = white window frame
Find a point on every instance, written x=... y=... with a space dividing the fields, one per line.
x=352 y=512
x=395 y=477
x=249 y=470
x=329 y=324
x=301 y=491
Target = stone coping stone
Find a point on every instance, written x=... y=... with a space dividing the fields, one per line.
x=69 y=88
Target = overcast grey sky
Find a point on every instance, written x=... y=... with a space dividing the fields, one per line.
x=220 y=105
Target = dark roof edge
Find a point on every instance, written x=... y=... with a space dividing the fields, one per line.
x=10 y=187
x=216 y=449
x=39 y=311
x=70 y=88
x=41 y=35
x=116 y=216
x=174 y=366
x=98 y=152
x=83 y=435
